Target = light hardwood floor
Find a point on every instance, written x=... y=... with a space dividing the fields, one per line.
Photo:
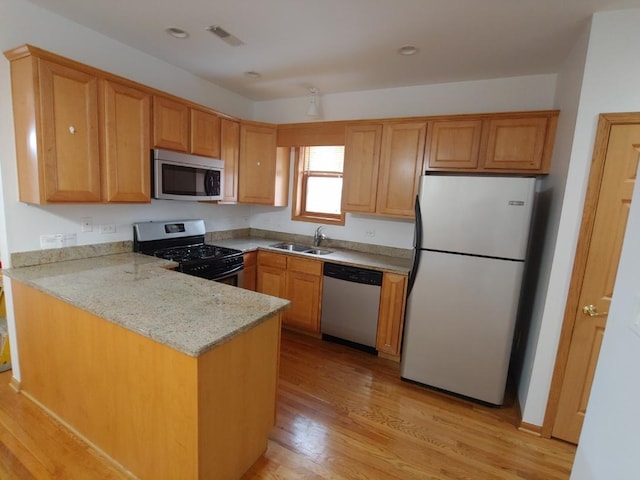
x=342 y=414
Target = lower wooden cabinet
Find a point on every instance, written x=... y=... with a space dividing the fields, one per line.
x=250 y=271
x=297 y=279
x=391 y=316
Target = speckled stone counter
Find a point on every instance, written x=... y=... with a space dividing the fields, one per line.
x=344 y=256
x=142 y=294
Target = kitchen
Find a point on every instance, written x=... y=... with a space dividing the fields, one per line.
x=570 y=163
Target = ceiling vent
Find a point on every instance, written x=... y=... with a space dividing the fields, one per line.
x=225 y=36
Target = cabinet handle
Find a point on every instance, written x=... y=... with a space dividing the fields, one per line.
x=72 y=130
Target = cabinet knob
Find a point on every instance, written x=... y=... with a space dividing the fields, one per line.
x=72 y=130
x=258 y=163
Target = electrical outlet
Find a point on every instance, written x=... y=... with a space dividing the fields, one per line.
x=108 y=228
x=370 y=233
x=87 y=224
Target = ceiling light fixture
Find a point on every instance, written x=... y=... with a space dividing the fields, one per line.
x=176 y=32
x=314 y=104
x=225 y=36
x=407 y=50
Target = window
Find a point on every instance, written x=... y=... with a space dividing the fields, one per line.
x=318 y=184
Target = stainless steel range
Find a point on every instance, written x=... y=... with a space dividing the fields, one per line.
x=183 y=241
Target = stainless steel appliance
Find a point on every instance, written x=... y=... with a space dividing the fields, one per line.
x=183 y=242
x=180 y=176
x=470 y=248
x=350 y=303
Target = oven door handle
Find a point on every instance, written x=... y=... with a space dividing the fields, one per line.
x=229 y=272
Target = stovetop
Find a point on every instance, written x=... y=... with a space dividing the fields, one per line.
x=182 y=241
x=192 y=253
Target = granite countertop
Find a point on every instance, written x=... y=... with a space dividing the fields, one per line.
x=142 y=294
x=337 y=255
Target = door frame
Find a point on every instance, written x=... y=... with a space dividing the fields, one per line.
x=606 y=121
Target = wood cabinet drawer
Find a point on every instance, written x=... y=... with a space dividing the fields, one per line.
x=302 y=265
x=267 y=259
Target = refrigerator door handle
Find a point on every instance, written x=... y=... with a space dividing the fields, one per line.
x=417 y=247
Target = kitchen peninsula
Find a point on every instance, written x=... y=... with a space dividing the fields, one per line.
x=170 y=375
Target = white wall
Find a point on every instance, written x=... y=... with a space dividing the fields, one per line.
x=551 y=194
x=533 y=92
x=609 y=85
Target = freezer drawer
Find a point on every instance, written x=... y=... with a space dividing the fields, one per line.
x=460 y=322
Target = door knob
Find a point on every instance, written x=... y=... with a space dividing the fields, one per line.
x=592 y=311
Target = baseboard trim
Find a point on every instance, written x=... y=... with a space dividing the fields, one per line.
x=15 y=384
x=530 y=428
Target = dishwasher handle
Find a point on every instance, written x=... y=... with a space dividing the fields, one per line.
x=352 y=274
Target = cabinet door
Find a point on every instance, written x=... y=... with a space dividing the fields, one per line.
x=515 y=143
x=303 y=289
x=272 y=272
x=205 y=134
x=70 y=140
x=454 y=144
x=170 y=124
x=400 y=168
x=361 y=163
x=250 y=270
x=257 y=164
x=127 y=128
x=391 y=317
x=229 y=152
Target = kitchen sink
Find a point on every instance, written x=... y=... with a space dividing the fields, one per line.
x=318 y=251
x=294 y=247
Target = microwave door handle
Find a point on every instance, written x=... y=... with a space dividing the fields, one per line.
x=209 y=183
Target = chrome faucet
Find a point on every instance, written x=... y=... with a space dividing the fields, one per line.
x=318 y=236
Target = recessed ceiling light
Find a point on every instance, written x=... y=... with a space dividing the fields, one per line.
x=408 y=50
x=252 y=74
x=176 y=32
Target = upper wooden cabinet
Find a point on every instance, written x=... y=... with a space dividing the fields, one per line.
x=80 y=136
x=178 y=126
x=59 y=105
x=400 y=167
x=263 y=168
x=205 y=133
x=454 y=144
x=170 y=124
x=517 y=144
x=361 y=163
x=498 y=143
x=382 y=166
x=127 y=118
x=229 y=153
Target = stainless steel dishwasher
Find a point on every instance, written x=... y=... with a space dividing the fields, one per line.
x=350 y=303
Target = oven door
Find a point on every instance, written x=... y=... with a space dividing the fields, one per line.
x=235 y=279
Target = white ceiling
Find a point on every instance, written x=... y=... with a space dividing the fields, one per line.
x=345 y=45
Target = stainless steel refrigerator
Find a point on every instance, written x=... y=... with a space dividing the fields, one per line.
x=470 y=247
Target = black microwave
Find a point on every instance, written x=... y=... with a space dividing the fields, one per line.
x=181 y=176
